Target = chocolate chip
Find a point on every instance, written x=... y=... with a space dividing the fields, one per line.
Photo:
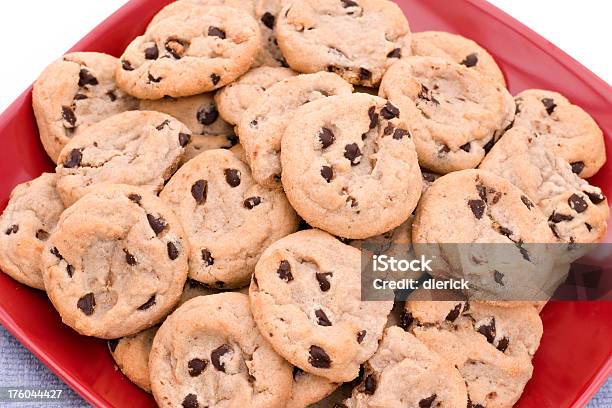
x=284 y=271
x=129 y=258
x=426 y=402
x=176 y=48
x=173 y=251
x=74 y=159
x=326 y=137
x=56 y=252
x=147 y=304
x=184 y=139
x=365 y=74
x=111 y=95
x=444 y=150
x=388 y=130
x=549 y=104
x=152 y=52
x=523 y=251
x=502 y=345
x=297 y=372
x=207 y=257
x=190 y=401
x=389 y=111
x=373 y=117
x=470 y=60
x=86 y=78
x=207 y=115
x=352 y=201
x=349 y=3
x=196 y=366
x=577 y=203
x=318 y=357
x=400 y=133
x=162 y=125
x=556 y=218
x=396 y=53
x=157 y=223
x=527 y=202
x=70 y=270
x=232 y=177
x=151 y=78
x=135 y=198
x=42 y=235
x=454 y=314
x=426 y=95
x=79 y=97
x=216 y=354
x=369 y=384
x=216 y=32
x=352 y=153
x=251 y=202
x=488 y=330
x=588 y=226
x=112 y=345
x=595 y=197
x=87 y=304
x=13 y=229
x=322 y=319
x=199 y=191
x=361 y=335
x=466 y=147
x=323 y=279
x=215 y=78
x=68 y=115
x=268 y=20
x=477 y=207
x=498 y=277
x=405 y=320
x=126 y=66
x=577 y=167
x=327 y=173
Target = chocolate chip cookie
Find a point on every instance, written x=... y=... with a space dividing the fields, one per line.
x=116 y=263
x=308 y=389
x=454 y=113
x=229 y=219
x=139 y=148
x=457 y=49
x=358 y=39
x=350 y=166
x=74 y=92
x=491 y=346
x=131 y=353
x=212 y=46
x=234 y=99
x=31 y=214
x=305 y=298
x=217 y=360
x=567 y=128
x=476 y=225
x=577 y=212
x=262 y=126
x=405 y=373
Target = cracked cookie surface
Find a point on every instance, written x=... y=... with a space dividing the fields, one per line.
x=405 y=373
x=305 y=297
x=74 y=92
x=577 y=212
x=218 y=361
x=568 y=129
x=263 y=124
x=454 y=113
x=138 y=148
x=491 y=346
x=30 y=216
x=358 y=40
x=457 y=49
x=229 y=219
x=212 y=46
x=116 y=263
x=234 y=99
x=350 y=166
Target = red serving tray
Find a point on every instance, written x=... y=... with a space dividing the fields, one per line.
x=575 y=357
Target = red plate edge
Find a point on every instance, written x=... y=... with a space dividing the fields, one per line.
x=596 y=84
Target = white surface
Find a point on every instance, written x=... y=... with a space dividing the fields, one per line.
x=35 y=32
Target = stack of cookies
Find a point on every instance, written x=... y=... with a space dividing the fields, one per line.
x=214 y=183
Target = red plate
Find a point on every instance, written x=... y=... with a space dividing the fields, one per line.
x=575 y=357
